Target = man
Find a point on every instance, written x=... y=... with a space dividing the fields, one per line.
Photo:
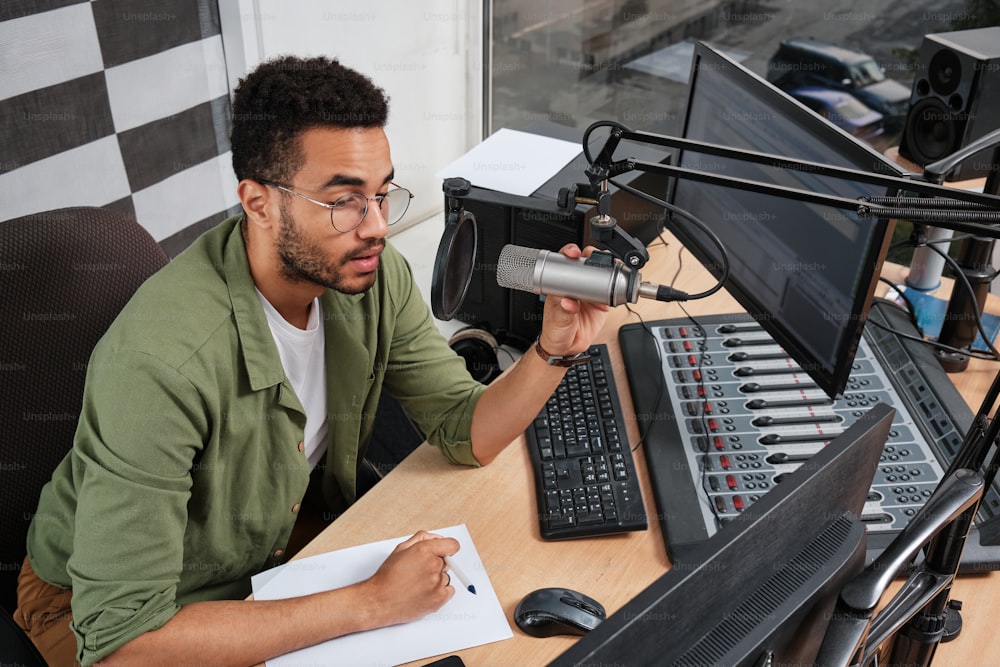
x=251 y=363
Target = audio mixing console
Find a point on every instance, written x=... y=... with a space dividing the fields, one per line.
x=723 y=414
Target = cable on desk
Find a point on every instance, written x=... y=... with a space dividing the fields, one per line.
x=910 y=309
x=960 y=279
x=660 y=387
x=967 y=286
x=649 y=332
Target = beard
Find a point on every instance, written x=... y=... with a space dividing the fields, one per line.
x=302 y=261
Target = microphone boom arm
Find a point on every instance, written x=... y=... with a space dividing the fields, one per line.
x=611 y=168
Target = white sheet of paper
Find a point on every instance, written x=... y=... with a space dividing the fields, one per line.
x=512 y=161
x=465 y=620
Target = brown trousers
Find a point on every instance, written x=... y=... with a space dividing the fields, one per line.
x=43 y=612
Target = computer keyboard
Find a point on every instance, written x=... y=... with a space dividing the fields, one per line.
x=585 y=478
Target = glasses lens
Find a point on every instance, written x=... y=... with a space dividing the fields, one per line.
x=347 y=212
x=394 y=204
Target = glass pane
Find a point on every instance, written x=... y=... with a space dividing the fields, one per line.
x=572 y=62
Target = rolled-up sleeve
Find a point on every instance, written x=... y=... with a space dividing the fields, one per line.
x=137 y=440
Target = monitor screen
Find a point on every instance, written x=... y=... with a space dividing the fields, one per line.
x=765 y=585
x=807 y=272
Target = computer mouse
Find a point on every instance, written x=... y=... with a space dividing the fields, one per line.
x=558 y=611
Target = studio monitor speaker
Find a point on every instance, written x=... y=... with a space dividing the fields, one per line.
x=955 y=99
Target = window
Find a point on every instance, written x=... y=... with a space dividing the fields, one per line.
x=572 y=62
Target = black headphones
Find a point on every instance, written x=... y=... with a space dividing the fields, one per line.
x=479 y=349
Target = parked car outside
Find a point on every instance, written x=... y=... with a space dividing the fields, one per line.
x=844 y=111
x=804 y=61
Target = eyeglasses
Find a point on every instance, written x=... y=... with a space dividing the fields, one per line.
x=347 y=212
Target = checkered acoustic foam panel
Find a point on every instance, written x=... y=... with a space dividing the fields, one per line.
x=116 y=103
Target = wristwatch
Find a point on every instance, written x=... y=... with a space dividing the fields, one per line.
x=559 y=360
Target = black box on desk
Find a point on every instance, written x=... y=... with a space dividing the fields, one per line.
x=536 y=221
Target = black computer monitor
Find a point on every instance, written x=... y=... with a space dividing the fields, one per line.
x=806 y=272
x=766 y=582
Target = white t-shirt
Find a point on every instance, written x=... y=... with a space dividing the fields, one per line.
x=304 y=361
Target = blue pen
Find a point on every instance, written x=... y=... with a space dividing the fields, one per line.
x=459 y=574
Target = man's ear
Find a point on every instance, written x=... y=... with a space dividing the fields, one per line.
x=256 y=200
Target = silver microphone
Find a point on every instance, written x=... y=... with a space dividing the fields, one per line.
x=598 y=279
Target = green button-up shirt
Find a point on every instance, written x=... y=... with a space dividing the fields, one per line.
x=187 y=461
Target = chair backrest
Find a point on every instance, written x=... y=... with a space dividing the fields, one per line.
x=64 y=276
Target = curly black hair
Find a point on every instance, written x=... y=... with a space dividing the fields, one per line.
x=285 y=96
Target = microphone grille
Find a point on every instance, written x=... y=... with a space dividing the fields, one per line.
x=516 y=267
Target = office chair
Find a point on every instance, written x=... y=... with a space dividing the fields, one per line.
x=15 y=647
x=65 y=275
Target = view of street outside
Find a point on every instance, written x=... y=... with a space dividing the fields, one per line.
x=573 y=62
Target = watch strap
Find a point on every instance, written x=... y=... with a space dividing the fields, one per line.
x=559 y=360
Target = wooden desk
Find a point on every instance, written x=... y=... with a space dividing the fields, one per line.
x=497 y=503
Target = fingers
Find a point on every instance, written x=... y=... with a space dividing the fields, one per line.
x=569 y=305
x=573 y=251
x=436 y=544
x=443 y=546
x=416 y=538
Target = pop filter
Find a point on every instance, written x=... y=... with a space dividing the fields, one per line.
x=456 y=253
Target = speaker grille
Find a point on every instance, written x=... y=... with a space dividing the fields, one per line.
x=944 y=71
x=931 y=131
